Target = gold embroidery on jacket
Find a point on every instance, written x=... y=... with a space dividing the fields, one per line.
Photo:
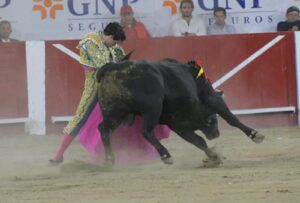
x=93 y=53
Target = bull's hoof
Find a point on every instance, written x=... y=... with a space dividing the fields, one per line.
x=258 y=138
x=108 y=163
x=213 y=158
x=212 y=163
x=167 y=160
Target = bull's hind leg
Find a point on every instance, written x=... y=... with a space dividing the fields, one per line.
x=217 y=103
x=213 y=158
x=105 y=128
x=105 y=137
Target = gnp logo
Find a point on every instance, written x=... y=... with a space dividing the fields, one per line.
x=47 y=8
x=172 y=5
x=203 y=4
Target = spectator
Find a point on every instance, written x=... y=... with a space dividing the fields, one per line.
x=133 y=29
x=220 y=27
x=5 y=31
x=187 y=25
x=292 y=22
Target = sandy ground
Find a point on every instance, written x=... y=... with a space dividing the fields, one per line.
x=269 y=172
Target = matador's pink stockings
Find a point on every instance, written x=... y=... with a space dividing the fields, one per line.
x=64 y=144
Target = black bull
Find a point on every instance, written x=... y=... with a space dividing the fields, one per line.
x=165 y=92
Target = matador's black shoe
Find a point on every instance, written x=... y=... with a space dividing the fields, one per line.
x=56 y=162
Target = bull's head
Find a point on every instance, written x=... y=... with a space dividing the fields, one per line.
x=210 y=127
x=207 y=121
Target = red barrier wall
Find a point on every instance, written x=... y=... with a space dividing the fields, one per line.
x=13 y=79
x=13 y=84
x=268 y=81
x=64 y=83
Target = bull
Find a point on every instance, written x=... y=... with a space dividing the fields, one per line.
x=163 y=92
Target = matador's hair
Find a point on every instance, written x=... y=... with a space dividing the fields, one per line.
x=116 y=30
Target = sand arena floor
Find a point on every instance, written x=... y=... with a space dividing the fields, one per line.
x=269 y=172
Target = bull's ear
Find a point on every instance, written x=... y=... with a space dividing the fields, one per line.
x=127 y=57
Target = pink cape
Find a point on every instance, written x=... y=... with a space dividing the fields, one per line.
x=128 y=143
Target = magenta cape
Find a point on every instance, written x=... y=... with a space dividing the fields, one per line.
x=128 y=143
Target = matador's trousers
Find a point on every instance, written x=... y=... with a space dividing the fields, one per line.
x=86 y=105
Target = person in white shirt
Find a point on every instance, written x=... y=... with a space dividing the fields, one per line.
x=187 y=24
x=5 y=31
x=220 y=27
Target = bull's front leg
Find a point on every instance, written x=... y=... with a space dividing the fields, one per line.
x=231 y=119
x=217 y=103
x=213 y=158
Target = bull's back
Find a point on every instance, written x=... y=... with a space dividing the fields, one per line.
x=134 y=83
x=128 y=84
x=180 y=89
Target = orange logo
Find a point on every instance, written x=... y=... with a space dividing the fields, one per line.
x=48 y=7
x=172 y=5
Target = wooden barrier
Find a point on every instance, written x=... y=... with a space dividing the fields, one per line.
x=256 y=72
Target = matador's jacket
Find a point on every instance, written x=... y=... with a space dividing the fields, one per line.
x=93 y=55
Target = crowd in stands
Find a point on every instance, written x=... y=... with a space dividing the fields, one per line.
x=189 y=25
x=132 y=27
x=292 y=22
x=186 y=24
x=5 y=31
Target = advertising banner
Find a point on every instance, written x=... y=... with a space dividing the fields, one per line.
x=71 y=19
